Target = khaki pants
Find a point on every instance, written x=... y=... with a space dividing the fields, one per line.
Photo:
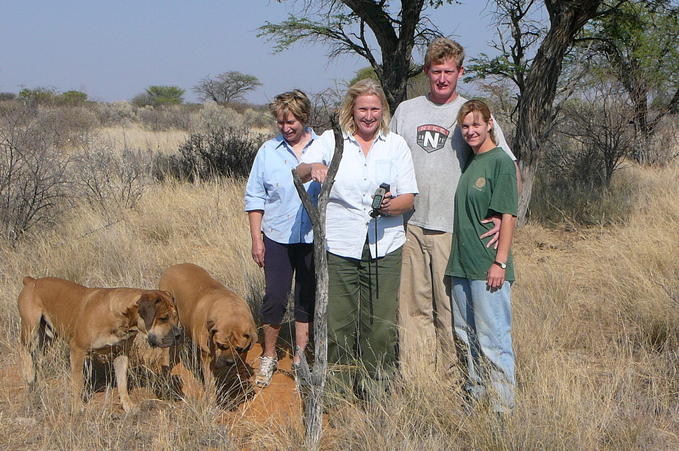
x=425 y=308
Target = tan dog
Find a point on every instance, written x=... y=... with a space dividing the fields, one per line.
x=93 y=320
x=218 y=321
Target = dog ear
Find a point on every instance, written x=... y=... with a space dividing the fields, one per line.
x=147 y=309
x=170 y=296
x=210 y=326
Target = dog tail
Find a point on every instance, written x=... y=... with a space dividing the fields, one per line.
x=28 y=281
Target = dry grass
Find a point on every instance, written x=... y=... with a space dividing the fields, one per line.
x=135 y=137
x=596 y=314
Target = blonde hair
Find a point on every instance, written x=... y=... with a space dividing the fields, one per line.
x=294 y=102
x=480 y=107
x=363 y=87
x=442 y=49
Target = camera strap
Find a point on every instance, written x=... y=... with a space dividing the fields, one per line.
x=377 y=264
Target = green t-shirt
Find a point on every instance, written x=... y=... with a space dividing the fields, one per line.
x=487 y=186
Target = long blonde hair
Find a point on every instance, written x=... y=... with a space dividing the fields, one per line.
x=367 y=86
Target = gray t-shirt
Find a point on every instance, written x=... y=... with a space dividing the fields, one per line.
x=439 y=155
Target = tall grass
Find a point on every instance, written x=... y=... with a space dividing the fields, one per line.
x=596 y=330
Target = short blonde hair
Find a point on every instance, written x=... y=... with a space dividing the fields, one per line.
x=442 y=49
x=294 y=102
x=364 y=87
x=480 y=107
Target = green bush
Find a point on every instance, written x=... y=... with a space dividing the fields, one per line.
x=38 y=96
x=224 y=152
x=72 y=98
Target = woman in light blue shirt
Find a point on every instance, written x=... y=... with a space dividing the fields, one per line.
x=281 y=230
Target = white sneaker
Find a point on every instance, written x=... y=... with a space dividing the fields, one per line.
x=267 y=366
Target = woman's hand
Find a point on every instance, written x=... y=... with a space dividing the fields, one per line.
x=394 y=206
x=312 y=171
x=319 y=172
x=258 y=251
x=495 y=277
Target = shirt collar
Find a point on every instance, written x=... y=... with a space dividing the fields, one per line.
x=283 y=143
x=380 y=136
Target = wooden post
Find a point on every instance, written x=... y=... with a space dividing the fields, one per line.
x=312 y=384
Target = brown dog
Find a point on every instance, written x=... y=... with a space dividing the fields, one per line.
x=93 y=320
x=218 y=321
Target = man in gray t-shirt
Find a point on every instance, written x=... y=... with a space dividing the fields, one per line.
x=429 y=126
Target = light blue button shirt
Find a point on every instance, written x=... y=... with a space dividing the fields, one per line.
x=270 y=188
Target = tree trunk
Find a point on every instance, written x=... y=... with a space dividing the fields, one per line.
x=312 y=384
x=528 y=177
x=396 y=48
x=535 y=115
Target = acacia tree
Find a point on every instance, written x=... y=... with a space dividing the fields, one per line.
x=226 y=87
x=344 y=26
x=160 y=95
x=638 y=46
x=536 y=77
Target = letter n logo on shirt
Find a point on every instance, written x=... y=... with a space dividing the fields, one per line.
x=431 y=137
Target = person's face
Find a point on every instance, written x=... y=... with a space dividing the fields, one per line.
x=443 y=79
x=475 y=131
x=367 y=113
x=290 y=127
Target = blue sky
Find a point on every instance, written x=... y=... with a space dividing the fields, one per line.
x=113 y=50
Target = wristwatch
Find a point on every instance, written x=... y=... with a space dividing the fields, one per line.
x=500 y=264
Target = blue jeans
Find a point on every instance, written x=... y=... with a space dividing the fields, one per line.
x=483 y=328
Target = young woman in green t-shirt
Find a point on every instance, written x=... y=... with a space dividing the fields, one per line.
x=481 y=275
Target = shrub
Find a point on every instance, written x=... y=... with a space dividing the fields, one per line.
x=32 y=171
x=72 y=98
x=38 y=96
x=165 y=118
x=115 y=113
x=7 y=96
x=663 y=148
x=105 y=179
x=212 y=118
x=225 y=152
x=69 y=126
x=582 y=202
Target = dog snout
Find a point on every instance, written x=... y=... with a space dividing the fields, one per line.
x=153 y=340
x=224 y=361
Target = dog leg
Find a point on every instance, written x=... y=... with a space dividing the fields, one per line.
x=28 y=354
x=209 y=383
x=30 y=324
x=166 y=385
x=77 y=358
x=120 y=367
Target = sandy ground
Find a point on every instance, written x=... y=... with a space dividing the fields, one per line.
x=278 y=403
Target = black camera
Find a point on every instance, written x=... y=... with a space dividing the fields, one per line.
x=380 y=192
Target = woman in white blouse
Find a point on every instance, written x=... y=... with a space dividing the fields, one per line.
x=364 y=250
